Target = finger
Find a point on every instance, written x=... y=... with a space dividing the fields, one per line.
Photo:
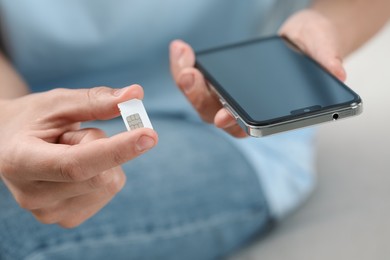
x=236 y=131
x=332 y=63
x=193 y=85
x=181 y=56
x=191 y=81
x=81 y=209
x=72 y=212
x=322 y=47
x=83 y=161
x=81 y=136
x=76 y=163
x=99 y=103
x=325 y=53
x=225 y=121
x=43 y=194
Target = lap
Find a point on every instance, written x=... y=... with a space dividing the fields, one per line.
x=194 y=195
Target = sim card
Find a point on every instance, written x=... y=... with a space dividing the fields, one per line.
x=134 y=115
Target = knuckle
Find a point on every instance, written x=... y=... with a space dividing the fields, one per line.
x=8 y=161
x=70 y=223
x=27 y=201
x=7 y=169
x=24 y=202
x=100 y=180
x=179 y=78
x=205 y=114
x=122 y=153
x=118 y=157
x=46 y=216
x=200 y=103
x=92 y=95
x=97 y=133
x=116 y=184
x=71 y=170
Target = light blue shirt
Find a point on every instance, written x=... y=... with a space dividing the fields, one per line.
x=85 y=43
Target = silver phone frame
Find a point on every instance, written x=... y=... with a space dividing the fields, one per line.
x=354 y=109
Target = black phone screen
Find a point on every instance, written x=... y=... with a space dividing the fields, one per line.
x=268 y=80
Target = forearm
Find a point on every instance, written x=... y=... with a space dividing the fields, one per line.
x=11 y=84
x=356 y=21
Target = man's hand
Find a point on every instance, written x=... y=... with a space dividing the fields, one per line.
x=59 y=172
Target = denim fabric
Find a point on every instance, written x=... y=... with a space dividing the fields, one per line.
x=194 y=196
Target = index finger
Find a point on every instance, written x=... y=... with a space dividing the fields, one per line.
x=80 y=105
x=191 y=81
x=76 y=163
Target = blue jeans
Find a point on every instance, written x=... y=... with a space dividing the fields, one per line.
x=193 y=197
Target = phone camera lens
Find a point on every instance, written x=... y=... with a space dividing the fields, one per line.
x=335 y=116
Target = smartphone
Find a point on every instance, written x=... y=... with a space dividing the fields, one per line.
x=271 y=86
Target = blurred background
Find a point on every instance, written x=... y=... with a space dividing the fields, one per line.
x=348 y=216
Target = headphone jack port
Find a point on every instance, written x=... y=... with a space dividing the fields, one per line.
x=335 y=116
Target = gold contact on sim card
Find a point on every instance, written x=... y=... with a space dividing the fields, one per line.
x=134 y=121
x=134 y=114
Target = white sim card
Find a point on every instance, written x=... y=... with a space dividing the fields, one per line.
x=134 y=115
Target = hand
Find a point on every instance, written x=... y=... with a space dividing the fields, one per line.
x=192 y=83
x=59 y=172
x=315 y=35
x=312 y=32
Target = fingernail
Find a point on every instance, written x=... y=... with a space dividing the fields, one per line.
x=187 y=82
x=177 y=52
x=144 y=143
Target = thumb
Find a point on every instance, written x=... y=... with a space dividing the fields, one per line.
x=325 y=53
x=316 y=36
x=99 y=103
x=333 y=64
